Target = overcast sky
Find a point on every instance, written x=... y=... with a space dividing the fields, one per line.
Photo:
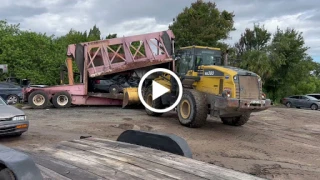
x=129 y=17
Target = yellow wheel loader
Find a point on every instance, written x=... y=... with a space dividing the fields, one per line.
x=210 y=87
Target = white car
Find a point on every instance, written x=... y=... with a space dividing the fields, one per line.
x=13 y=121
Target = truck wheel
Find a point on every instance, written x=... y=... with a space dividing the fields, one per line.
x=38 y=99
x=288 y=105
x=236 y=121
x=6 y=174
x=114 y=89
x=155 y=104
x=13 y=98
x=62 y=100
x=314 y=107
x=193 y=109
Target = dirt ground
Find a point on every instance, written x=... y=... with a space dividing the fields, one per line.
x=278 y=143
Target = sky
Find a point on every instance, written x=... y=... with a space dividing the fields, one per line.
x=131 y=17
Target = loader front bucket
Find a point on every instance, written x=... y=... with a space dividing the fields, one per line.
x=130 y=96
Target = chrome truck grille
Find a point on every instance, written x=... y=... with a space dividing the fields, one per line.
x=248 y=87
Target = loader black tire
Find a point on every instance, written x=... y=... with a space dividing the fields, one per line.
x=157 y=103
x=61 y=100
x=236 y=121
x=38 y=99
x=193 y=109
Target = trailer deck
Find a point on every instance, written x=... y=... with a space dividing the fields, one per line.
x=95 y=158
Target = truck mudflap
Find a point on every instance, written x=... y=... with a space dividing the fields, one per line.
x=240 y=104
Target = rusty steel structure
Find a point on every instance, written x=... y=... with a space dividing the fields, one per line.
x=117 y=55
x=105 y=57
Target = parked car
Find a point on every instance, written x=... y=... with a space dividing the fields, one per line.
x=113 y=84
x=11 y=92
x=314 y=95
x=23 y=82
x=300 y=101
x=13 y=121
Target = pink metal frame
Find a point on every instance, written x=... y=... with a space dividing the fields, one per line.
x=104 y=56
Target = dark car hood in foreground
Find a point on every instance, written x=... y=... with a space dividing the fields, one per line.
x=7 y=111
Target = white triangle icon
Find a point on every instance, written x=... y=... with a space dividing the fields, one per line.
x=158 y=90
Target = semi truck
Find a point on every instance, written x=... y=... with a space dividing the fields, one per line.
x=104 y=59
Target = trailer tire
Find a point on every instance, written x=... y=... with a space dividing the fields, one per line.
x=6 y=174
x=38 y=99
x=61 y=100
x=236 y=121
x=157 y=103
x=193 y=109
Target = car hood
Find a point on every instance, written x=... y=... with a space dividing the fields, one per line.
x=7 y=111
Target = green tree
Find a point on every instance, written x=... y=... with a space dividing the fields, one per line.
x=6 y=30
x=255 y=39
x=111 y=36
x=202 y=24
x=94 y=34
x=253 y=51
x=294 y=71
x=31 y=55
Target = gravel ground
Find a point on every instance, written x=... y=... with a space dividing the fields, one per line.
x=278 y=143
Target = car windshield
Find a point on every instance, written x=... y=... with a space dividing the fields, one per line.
x=312 y=98
x=2 y=102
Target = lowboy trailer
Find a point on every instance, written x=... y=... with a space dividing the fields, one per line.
x=105 y=58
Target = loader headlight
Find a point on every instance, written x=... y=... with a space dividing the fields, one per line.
x=226 y=94
x=19 y=118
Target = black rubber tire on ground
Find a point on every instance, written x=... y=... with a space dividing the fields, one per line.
x=197 y=109
x=314 y=107
x=13 y=96
x=236 y=121
x=6 y=174
x=157 y=103
x=288 y=104
x=57 y=104
x=42 y=94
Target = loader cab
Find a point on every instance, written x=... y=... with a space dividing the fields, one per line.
x=189 y=58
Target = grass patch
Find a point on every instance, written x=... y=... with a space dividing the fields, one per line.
x=18 y=105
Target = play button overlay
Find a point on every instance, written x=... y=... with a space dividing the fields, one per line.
x=159 y=90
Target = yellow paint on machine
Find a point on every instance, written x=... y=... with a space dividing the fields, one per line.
x=130 y=96
x=207 y=84
x=215 y=84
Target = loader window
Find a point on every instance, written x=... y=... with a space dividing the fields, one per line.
x=185 y=63
x=208 y=57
